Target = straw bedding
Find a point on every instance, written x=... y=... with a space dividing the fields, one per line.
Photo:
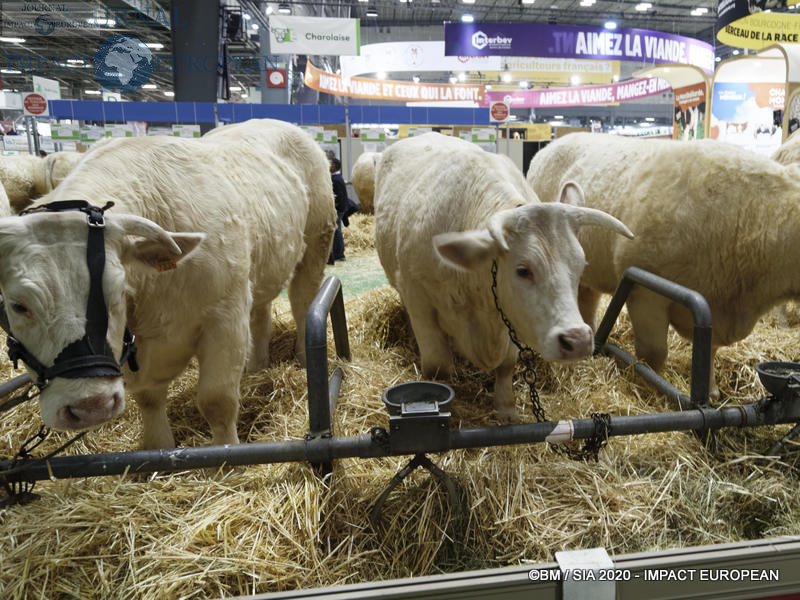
x=277 y=527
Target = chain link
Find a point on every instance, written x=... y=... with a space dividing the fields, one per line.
x=602 y=421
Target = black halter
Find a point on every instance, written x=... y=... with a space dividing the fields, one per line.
x=90 y=356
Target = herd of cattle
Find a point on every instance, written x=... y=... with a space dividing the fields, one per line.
x=205 y=234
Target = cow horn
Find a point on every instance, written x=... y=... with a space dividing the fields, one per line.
x=591 y=216
x=496 y=228
x=136 y=225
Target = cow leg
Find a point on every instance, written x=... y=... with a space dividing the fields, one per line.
x=221 y=358
x=650 y=319
x=588 y=299
x=305 y=284
x=434 y=349
x=504 y=402
x=156 y=432
x=260 y=331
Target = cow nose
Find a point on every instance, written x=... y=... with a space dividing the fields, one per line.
x=575 y=343
x=92 y=411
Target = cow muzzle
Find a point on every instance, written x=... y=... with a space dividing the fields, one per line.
x=89 y=412
x=577 y=342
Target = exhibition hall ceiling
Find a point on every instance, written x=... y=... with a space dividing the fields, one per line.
x=67 y=46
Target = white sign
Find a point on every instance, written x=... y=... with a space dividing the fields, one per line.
x=313 y=35
x=48 y=88
x=119 y=130
x=413 y=56
x=186 y=131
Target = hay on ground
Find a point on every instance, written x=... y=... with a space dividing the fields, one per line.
x=277 y=527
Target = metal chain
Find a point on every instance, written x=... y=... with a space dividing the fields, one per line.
x=592 y=445
x=21 y=491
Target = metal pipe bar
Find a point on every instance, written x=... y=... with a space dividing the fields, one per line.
x=329 y=299
x=323 y=450
x=14 y=384
x=701 y=334
x=662 y=385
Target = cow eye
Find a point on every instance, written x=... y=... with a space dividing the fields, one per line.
x=524 y=272
x=18 y=308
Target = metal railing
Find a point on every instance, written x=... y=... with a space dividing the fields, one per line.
x=701 y=337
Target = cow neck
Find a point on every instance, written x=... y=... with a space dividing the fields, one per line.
x=91 y=355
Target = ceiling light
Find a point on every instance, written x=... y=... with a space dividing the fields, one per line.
x=462 y=76
x=651 y=119
x=615 y=77
x=610 y=24
x=644 y=124
x=528 y=1
x=246 y=16
x=149 y=86
x=735 y=52
x=416 y=78
x=254 y=26
x=643 y=6
x=587 y=2
x=169 y=94
x=468 y=1
x=92 y=92
x=381 y=74
x=243 y=95
x=488 y=86
x=11 y=71
x=558 y=116
x=154 y=45
x=453 y=79
x=575 y=79
x=235 y=88
x=506 y=77
x=101 y=21
x=698 y=11
x=12 y=40
x=284 y=9
x=269 y=9
x=717 y=59
x=467 y=18
x=75 y=61
x=363 y=0
x=523 y=84
x=372 y=13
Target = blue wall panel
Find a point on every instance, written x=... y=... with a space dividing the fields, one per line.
x=305 y=114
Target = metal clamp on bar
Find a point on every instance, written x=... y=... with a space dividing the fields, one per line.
x=419 y=417
x=701 y=336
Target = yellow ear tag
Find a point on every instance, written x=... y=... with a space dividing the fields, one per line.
x=164 y=262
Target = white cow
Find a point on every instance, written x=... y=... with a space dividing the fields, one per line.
x=711 y=216
x=444 y=211
x=248 y=206
x=364 y=180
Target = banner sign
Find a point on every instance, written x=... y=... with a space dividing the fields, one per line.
x=748 y=114
x=429 y=56
x=690 y=112
x=313 y=35
x=742 y=23
x=569 y=41
x=381 y=89
x=580 y=96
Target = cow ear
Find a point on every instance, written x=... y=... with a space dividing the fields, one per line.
x=160 y=255
x=571 y=193
x=465 y=250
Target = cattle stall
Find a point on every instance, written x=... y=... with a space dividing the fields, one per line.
x=420 y=422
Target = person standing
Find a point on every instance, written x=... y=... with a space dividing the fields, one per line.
x=342 y=202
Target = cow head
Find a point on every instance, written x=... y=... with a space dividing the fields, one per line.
x=539 y=263
x=45 y=283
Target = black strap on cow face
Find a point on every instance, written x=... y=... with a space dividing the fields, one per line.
x=90 y=356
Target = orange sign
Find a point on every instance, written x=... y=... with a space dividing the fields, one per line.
x=381 y=89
